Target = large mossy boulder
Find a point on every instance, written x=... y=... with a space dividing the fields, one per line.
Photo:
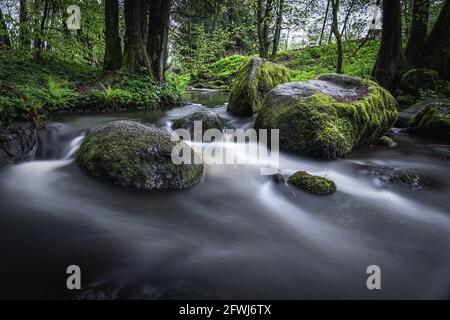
x=327 y=117
x=433 y=121
x=209 y=120
x=131 y=154
x=254 y=80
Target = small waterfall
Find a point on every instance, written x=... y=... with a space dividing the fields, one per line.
x=74 y=145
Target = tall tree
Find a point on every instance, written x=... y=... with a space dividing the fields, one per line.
x=135 y=57
x=23 y=24
x=419 y=30
x=436 y=54
x=264 y=15
x=158 y=36
x=390 y=54
x=39 y=41
x=337 y=34
x=113 y=48
x=325 y=19
x=4 y=34
x=278 y=26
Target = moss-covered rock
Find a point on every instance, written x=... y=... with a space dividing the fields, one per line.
x=254 y=80
x=313 y=184
x=387 y=142
x=131 y=154
x=405 y=116
x=209 y=119
x=433 y=121
x=327 y=117
x=418 y=79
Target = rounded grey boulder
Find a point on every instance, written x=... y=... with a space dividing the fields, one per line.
x=131 y=154
x=209 y=120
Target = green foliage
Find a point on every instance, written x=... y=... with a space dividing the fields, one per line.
x=308 y=63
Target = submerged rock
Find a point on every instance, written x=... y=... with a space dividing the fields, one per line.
x=18 y=142
x=209 y=119
x=386 y=141
x=405 y=116
x=327 y=117
x=433 y=121
x=278 y=178
x=254 y=80
x=400 y=177
x=313 y=184
x=131 y=154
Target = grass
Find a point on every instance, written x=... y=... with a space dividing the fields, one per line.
x=34 y=91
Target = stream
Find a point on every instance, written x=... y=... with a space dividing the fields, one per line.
x=235 y=235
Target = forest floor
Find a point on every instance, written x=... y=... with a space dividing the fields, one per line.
x=31 y=90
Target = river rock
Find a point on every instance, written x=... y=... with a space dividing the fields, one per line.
x=254 y=80
x=387 y=142
x=400 y=177
x=312 y=184
x=405 y=116
x=209 y=119
x=18 y=142
x=433 y=121
x=328 y=116
x=131 y=154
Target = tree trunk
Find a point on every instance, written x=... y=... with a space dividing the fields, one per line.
x=113 y=48
x=135 y=57
x=419 y=30
x=324 y=22
x=389 y=56
x=337 y=34
x=436 y=54
x=277 y=35
x=158 y=36
x=347 y=17
x=39 y=40
x=23 y=27
x=263 y=27
x=4 y=34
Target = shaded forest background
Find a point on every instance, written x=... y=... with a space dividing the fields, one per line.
x=143 y=53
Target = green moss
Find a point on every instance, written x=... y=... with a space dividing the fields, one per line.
x=433 y=121
x=254 y=80
x=313 y=184
x=133 y=155
x=418 y=79
x=323 y=127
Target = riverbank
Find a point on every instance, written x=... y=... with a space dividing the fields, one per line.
x=36 y=91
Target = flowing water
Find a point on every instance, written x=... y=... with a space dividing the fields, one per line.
x=237 y=234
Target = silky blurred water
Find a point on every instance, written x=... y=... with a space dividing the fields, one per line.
x=235 y=235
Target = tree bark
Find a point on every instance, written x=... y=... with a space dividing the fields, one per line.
x=4 y=34
x=263 y=26
x=23 y=27
x=39 y=40
x=419 y=30
x=135 y=57
x=389 y=56
x=347 y=17
x=277 y=35
x=158 y=37
x=436 y=54
x=113 y=48
x=324 y=22
x=337 y=34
